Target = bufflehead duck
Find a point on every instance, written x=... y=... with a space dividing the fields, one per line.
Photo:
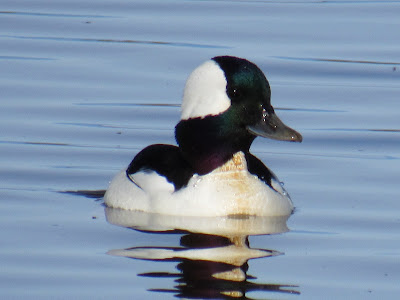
x=226 y=105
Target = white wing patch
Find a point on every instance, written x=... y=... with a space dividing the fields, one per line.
x=151 y=182
x=205 y=92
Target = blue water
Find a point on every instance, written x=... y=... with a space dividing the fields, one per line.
x=85 y=85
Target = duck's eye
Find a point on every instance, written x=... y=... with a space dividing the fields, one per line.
x=234 y=93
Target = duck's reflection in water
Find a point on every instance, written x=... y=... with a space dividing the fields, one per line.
x=212 y=258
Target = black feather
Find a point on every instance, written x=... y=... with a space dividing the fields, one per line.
x=166 y=160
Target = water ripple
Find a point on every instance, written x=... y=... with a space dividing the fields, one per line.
x=39 y=14
x=5 y=57
x=359 y=129
x=90 y=40
x=120 y=104
x=338 y=60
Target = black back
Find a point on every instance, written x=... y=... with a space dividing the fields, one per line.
x=166 y=160
x=257 y=168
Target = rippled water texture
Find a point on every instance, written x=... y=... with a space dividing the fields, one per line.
x=84 y=85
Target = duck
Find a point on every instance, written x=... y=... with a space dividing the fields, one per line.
x=210 y=172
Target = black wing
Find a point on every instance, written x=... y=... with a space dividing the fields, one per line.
x=257 y=167
x=166 y=160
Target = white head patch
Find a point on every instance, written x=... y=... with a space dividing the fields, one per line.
x=205 y=92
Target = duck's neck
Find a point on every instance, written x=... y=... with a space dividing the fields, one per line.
x=207 y=144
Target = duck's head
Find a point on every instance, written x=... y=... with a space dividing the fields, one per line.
x=226 y=105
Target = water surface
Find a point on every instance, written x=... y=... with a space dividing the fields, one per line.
x=84 y=86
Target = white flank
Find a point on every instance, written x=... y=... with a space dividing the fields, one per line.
x=205 y=92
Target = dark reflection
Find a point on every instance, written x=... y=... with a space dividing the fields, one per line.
x=96 y=194
x=212 y=256
x=212 y=279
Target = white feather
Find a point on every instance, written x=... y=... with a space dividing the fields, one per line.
x=205 y=92
x=151 y=182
